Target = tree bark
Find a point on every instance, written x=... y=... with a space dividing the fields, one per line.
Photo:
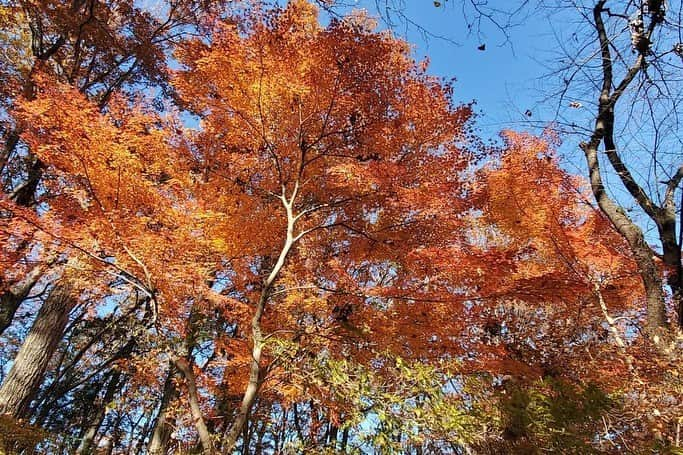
x=642 y=253
x=11 y=299
x=25 y=194
x=28 y=369
x=345 y=439
x=161 y=434
x=204 y=435
x=11 y=141
x=257 y=338
x=603 y=132
x=98 y=416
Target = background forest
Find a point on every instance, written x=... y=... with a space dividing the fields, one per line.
x=244 y=227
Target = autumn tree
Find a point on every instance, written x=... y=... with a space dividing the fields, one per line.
x=339 y=159
x=637 y=46
x=615 y=90
x=99 y=48
x=342 y=170
x=303 y=245
x=575 y=288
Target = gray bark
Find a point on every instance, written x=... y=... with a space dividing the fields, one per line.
x=603 y=133
x=161 y=434
x=28 y=370
x=204 y=435
x=86 y=445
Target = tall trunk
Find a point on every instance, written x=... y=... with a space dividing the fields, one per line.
x=246 y=439
x=345 y=439
x=257 y=337
x=332 y=435
x=181 y=366
x=260 y=434
x=28 y=369
x=297 y=424
x=677 y=294
x=671 y=246
x=11 y=141
x=138 y=445
x=642 y=253
x=98 y=415
x=249 y=396
x=204 y=436
x=664 y=217
x=25 y=194
x=161 y=433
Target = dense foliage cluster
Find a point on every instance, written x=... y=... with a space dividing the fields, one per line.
x=228 y=228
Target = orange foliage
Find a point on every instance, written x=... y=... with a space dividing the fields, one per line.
x=332 y=142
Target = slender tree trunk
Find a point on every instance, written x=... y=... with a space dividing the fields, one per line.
x=25 y=194
x=671 y=246
x=332 y=436
x=260 y=434
x=204 y=436
x=28 y=369
x=297 y=424
x=11 y=141
x=257 y=338
x=98 y=416
x=138 y=445
x=664 y=217
x=345 y=439
x=642 y=253
x=248 y=398
x=161 y=434
x=246 y=439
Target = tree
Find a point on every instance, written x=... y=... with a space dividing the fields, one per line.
x=624 y=73
x=330 y=149
x=99 y=48
x=620 y=60
x=309 y=223
x=341 y=135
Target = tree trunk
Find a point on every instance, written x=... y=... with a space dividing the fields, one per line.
x=11 y=299
x=345 y=439
x=204 y=436
x=642 y=253
x=98 y=416
x=603 y=132
x=332 y=436
x=158 y=444
x=257 y=337
x=248 y=398
x=10 y=144
x=25 y=194
x=28 y=369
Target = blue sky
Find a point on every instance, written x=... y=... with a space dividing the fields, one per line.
x=504 y=79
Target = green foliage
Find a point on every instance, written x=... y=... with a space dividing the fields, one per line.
x=553 y=415
x=396 y=405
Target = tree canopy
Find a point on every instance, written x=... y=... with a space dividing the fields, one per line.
x=231 y=227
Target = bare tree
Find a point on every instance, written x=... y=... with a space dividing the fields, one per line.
x=619 y=89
